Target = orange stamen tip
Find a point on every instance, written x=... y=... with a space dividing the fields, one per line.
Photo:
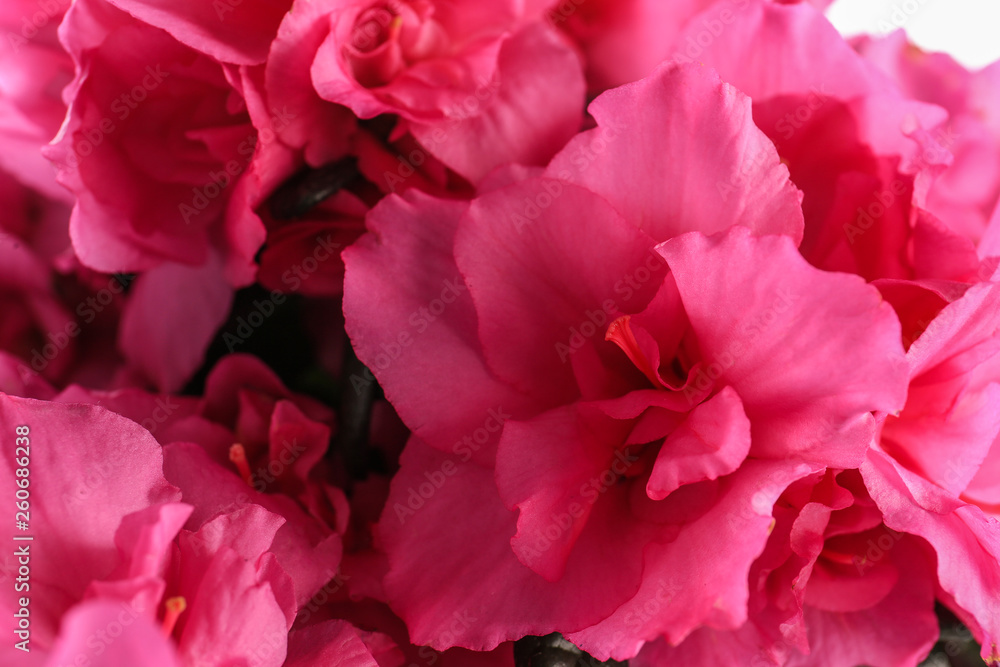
x=620 y=333
x=173 y=607
x=238 y=455
x=395 y=27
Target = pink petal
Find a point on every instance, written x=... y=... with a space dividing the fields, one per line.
x=172 y=314
x=80 y=493
x=413 y=323
x=756 y=306
x=87 y=633
x=532 y=108
x=556 y=470
x=899 y=630
x=321 y=129
x=710 y=443
x=678 y=152
x=330 y=643
x=226 y=30
x=964 y=540
x=740 y=518
x=811 y=54
x=536 y=280
x=306 y=549
x=465 y=587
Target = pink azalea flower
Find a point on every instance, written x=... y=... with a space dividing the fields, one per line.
x=159 y=189
x=477 y=85
x=248 y=442
x=115 y=549
x=864 y=154
x=835 y=587
x=941 y=452
x=74 y=511
x=965 y=195
x=605 y=403
x=143 y=202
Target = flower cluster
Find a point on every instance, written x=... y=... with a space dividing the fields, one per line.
x=404 y=332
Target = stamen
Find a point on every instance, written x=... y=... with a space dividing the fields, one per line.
x=238 y=456
x=174 y=607
x=620 y=333
x=395 y=28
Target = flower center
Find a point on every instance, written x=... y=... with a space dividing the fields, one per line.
x=620 y=333
x=374 y=27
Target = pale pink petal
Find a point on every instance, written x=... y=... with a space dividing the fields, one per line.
x=413 y=323
x=678 y=152
x=173 y=313
x=86 y=638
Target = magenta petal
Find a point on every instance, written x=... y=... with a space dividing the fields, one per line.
x=535 y=107
x=740 y=519
x=710 y=443
x=172 y=314
x=576 y=450
x=465 y=587
x=226 y=30
x=705 y=646
x=305 y=548
x=411 y=320
x=678 y=152
x=90 y=468
x=899 y=630
x=758 y=310
x=233 y=616
x=328 y=644
x=964 y=539
x=779 y=48
x=139 y=643
x=536 y=280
